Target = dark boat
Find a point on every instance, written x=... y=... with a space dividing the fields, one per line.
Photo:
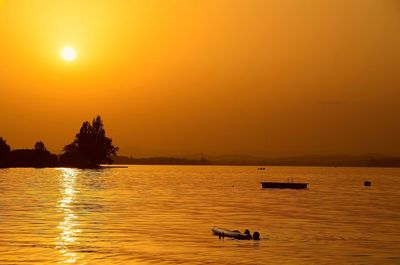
x=284 y=185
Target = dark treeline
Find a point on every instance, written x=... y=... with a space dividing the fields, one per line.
x=36 y=157
x=90 y=148
x=159 y=161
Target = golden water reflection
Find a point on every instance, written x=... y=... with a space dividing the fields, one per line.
x=164 y=214
x=68 y=231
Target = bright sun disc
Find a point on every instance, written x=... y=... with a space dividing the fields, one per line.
x=68 y=54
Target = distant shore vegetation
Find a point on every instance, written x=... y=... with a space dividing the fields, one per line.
x=372 y=160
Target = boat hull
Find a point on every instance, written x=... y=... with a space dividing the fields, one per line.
x=284 y=185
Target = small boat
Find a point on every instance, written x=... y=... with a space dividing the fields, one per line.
x=284 y=185
x=221 y=232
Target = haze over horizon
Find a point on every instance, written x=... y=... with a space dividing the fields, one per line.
x=261 y=78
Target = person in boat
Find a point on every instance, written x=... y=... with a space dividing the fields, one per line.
x=248 y=235
x=243 y=236
x=222 y=233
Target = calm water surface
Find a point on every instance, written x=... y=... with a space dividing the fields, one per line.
x=163 y=215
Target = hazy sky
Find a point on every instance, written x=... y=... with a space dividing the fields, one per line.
x=266 y=78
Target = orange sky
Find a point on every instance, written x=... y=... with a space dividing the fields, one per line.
x=265 y=78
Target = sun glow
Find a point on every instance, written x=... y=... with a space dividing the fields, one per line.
x=68 y=54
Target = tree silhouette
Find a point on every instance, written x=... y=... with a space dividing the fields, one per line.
x=4 y=151
x=39 y=146
x=4 y=147
x=91 y=146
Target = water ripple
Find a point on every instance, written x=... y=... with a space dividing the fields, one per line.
x=163 y=215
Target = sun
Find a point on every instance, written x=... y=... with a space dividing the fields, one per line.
x=68 y=54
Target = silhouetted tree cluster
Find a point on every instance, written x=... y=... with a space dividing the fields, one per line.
x=91 y=146
x=39 y=146
x=37 y=157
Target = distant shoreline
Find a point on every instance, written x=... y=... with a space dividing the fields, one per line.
x=312 y=161
x=122 y=166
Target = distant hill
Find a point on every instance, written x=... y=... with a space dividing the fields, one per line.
x=337 y=161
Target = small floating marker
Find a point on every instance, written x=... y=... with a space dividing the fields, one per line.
x=367 y=183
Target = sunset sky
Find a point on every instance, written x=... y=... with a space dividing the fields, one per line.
x=263 y=78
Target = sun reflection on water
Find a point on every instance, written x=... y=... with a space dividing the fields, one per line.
x=67 y=238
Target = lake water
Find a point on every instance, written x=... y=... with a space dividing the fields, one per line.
x=164 y=214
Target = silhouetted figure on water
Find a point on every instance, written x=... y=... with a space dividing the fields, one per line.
x=236 y=234
x=256 y=235
x=90 y=148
